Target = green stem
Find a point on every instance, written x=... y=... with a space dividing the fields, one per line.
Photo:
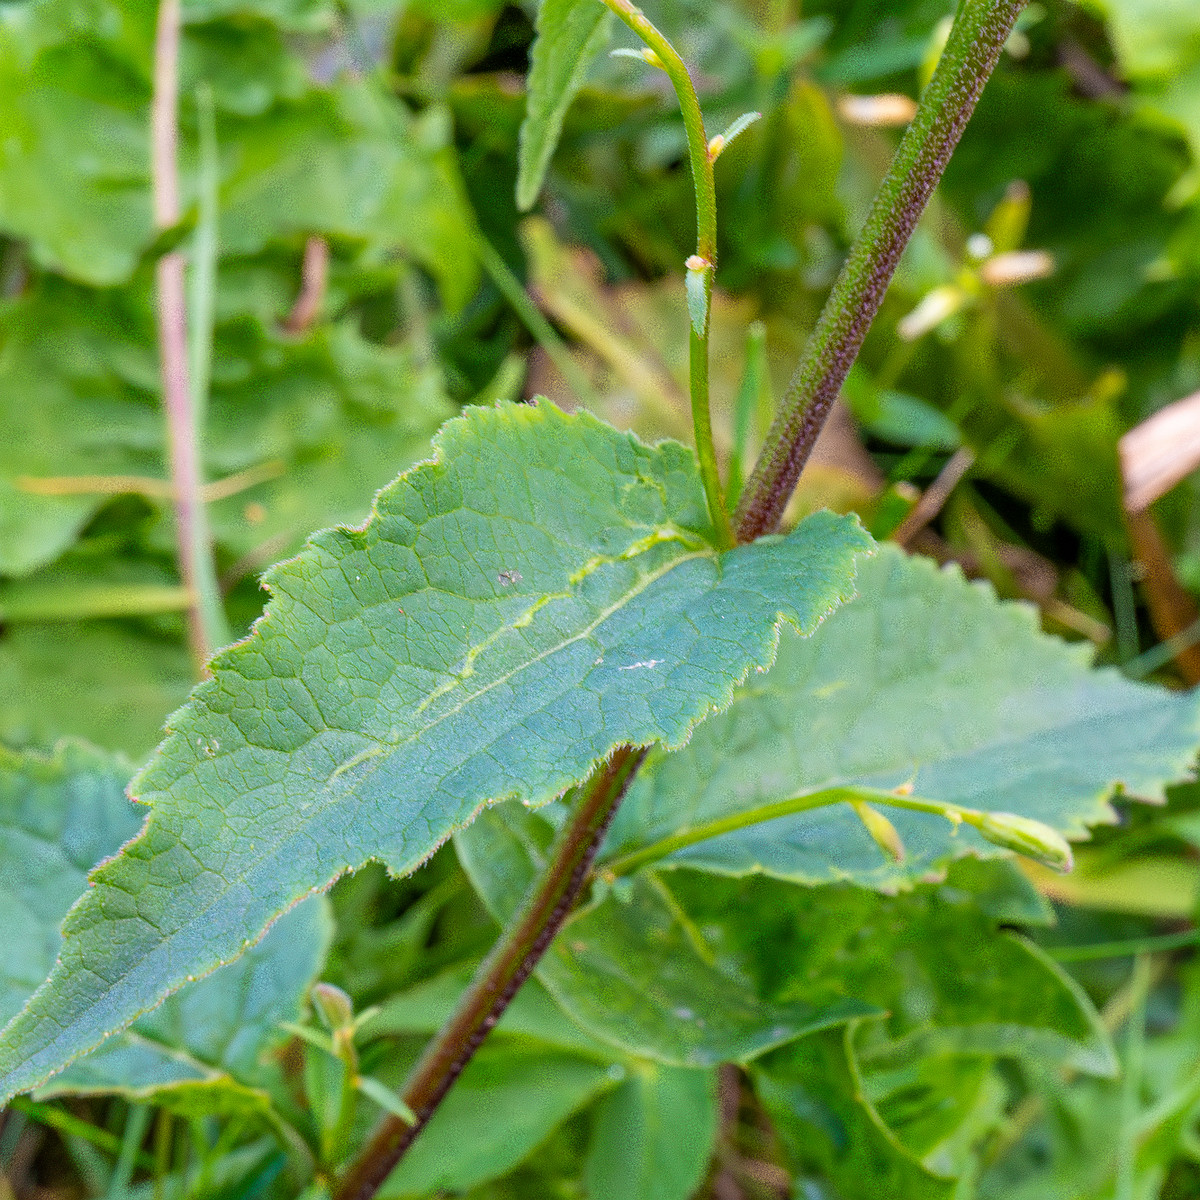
x=980 y=30
x=501 y=974
x=668 y=58
x=851 y=794
x=531 y=317
x=1132 y=1070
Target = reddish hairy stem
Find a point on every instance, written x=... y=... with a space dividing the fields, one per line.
x=980 y=30
x=501 y=974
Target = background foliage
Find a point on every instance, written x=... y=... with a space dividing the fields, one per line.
x=381 y=140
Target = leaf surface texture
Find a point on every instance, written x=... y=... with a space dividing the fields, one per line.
x=540 y=593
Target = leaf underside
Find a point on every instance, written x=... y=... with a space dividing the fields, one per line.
x=540 y=593
x=204 y=1049
x=927 y=681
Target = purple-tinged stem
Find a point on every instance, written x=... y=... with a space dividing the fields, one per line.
x=980 y=30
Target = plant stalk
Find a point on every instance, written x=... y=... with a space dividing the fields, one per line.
x=980 y=30
x=501 y=974
x=979 y=33
x=205 y=616
x=701 y=160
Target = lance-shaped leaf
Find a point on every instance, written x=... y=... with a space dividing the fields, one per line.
x=204 y=1049
x=540 y=593
x=569 y=33
x=929 y=683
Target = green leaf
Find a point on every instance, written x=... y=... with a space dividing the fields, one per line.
x=59 y=816
x=386 y=1097
x=951 y=980
x=204 y=1048
x=926 y=681
x=632 y=968
x=83 y=212
x=813 y=1094
x=350 y=161
x=99 y=680
x=506 y=1102
x=325 y=420
x=653 y=1135
x=544 y=576
x=569 y=35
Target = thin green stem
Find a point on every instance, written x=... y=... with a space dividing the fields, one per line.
x=501 y=974
x=531 y=317
x=1132 y=1070
x=58 y=1118
x=1156 y=944
x=137 y=1121
x=701 y=159
x=980 y=30
x=202 y=269
x=995 y=827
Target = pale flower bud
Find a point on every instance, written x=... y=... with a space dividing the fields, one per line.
x=1026 y=836
x=333 y=1005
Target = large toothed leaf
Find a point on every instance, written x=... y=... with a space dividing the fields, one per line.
x=926 y=681
x=569 y=32
x=539 y=594
x=202 y=1050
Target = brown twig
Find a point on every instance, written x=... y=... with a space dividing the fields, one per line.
x=934 y=498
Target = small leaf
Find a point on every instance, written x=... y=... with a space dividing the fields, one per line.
x=385 y=1097
x=538 y=594
x=569 y=34
x=699 y=283
x=719 y=143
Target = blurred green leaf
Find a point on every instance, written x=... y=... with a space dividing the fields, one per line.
x=653 y=1135
x=507 y=1100
x=569 y=35
x=813 y=1094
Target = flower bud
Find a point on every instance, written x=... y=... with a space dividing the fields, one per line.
x=882 y=831
x=1026 y=836
x=333 y=1005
